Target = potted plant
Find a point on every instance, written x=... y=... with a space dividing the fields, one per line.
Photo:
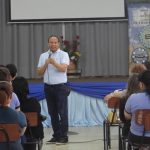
x=72 y=48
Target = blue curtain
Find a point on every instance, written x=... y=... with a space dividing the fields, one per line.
x=92 y=89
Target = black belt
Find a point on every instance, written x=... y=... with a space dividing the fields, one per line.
x=55 y=85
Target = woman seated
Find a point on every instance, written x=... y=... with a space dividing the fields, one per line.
x=135 y=69
x=28 y=104
x=10 y=116
x=138 y=101
x=132 y=87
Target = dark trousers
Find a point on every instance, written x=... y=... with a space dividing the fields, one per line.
x=29 y=146
x=57 y=102
x=138 y=139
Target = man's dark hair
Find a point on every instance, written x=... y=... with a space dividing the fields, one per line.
x=12 y=69
x=55 y=37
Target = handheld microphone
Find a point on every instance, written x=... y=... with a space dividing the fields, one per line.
x=50 y=53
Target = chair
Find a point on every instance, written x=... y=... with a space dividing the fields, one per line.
x=142 y=117
x=32 y=121
x=113 y=103
x=9 y=133
x=123 y=141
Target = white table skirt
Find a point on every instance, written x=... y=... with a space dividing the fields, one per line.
x=82 y=110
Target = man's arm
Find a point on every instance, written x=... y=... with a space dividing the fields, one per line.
x=41 y=70
x=60 y=67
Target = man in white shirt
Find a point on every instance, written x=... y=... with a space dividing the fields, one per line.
x=53 y=67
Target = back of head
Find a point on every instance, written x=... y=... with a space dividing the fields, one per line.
x=5 y=74
x=5 y=92
x=20 y=87
x=137 y=68
x=144 y=77
x=12 y=69
x=133 y=85
x=147 y=65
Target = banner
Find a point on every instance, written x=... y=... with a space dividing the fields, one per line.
x=139 y=32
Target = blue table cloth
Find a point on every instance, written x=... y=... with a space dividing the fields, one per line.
x=92 y=89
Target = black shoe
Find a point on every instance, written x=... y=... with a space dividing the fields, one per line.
x=42 y=117
x=62 y=141
x=52 y=140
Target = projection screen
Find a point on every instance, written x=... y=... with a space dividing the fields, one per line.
x=65 y=10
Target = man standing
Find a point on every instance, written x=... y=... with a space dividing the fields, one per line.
x=53 y=66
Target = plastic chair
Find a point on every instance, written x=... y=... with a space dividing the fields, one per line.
x=142 y=117
x=113 y=103
x=123 y=140
x=9 y=133
x=32 y=121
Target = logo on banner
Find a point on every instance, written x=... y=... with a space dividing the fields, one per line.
x=139 y=55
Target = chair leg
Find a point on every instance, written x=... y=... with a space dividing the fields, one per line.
x=104 y=134
x=120 y=139
x=40 y=144
x=108 y=135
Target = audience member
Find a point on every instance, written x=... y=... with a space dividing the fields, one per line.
x=4 y=74
x=13 y=70
x=138 y=101
x=8 y=115
x=147 y=65
x=135 y=69
x=132 y=87
x=28 y=104
x=15 y=104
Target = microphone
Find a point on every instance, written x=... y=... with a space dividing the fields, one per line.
x=50 y=53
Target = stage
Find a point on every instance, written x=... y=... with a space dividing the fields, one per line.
x=85 y=102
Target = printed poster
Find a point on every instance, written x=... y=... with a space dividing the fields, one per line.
x=139 y=32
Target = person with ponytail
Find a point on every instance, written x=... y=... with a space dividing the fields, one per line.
x=8 y=115
x=137 y=101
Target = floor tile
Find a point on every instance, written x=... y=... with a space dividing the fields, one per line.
x=82 y=138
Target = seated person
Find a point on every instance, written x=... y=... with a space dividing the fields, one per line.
x=28 y=104
x=6 y=76
x=147 y=65
x=15 y=104
x=138 y=101
x=132 y=87
x=8 y=115
x=135 y=69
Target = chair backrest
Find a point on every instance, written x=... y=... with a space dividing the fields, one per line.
x=142 y=117
x=147 y=122
x=9 y=132
x=32 y=118
x=113 y=102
